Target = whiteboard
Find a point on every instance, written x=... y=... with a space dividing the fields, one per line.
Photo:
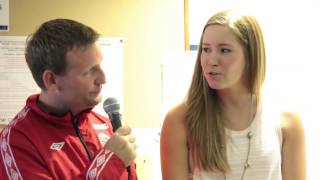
x=112 y=64
x=16 y=82
x=177 y=70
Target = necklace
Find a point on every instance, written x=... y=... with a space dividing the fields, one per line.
x=249 y=136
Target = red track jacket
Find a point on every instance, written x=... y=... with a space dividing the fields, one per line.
x=36 y=145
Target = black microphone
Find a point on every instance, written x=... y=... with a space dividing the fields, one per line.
x=112 y=107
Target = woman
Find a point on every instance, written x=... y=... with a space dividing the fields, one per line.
x=223 y=130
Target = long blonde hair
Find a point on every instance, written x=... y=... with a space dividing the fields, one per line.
x=204 y=124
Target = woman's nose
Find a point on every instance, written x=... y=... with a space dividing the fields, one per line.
x=213 y=59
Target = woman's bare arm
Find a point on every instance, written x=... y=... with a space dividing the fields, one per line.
x=173 y=146
x=293 y=149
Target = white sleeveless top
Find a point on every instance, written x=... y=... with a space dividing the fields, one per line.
x=265 y=151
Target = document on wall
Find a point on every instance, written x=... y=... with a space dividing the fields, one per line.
x=16 y=82
x=4 y=15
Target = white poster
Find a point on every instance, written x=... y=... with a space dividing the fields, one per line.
x=16 y=82
x=112 y=49
x=4 y=15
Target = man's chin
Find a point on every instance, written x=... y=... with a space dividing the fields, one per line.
x=92 y=104
x=96 y=100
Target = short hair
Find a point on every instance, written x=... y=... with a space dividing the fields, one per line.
x=47 y=47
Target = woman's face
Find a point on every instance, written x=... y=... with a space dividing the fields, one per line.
x=222 y=58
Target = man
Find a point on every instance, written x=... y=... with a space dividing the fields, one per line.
x=57 y=135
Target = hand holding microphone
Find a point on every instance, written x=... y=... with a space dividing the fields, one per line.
x=122 y=142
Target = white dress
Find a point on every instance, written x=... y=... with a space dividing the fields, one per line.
x=265 y=150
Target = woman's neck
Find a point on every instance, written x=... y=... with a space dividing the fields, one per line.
x=238 y=109
x=231 y=97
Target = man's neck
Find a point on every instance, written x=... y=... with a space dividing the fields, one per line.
x=47 y=106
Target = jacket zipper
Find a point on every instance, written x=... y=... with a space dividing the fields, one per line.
x=76 y=128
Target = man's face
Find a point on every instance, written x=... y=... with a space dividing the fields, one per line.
x=80 y=86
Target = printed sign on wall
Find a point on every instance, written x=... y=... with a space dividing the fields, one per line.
x=4 y=15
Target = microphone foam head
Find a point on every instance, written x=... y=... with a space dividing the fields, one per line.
x=111 y=105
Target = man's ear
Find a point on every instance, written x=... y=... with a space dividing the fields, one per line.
x=50 y=80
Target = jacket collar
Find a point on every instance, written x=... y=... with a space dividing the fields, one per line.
x=65 y=120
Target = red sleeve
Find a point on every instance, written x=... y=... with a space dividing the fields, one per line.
x=19 y=159
x=107 y=165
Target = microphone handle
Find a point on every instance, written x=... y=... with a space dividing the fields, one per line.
x=115 y=120
x=116 y=124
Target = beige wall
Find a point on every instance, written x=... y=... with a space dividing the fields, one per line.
x=149 y=28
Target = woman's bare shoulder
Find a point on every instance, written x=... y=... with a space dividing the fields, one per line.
x=292 y=129
x=291 y=122
x=174 y=120
x=173 y=145
x=178 y=112
x=293 y=147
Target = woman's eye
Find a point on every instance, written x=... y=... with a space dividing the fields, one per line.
x=225 y=50
x=205 y=49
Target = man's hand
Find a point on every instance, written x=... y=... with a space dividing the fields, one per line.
x=122 y=143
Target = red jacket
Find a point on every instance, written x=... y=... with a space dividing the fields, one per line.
x=37 y=145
